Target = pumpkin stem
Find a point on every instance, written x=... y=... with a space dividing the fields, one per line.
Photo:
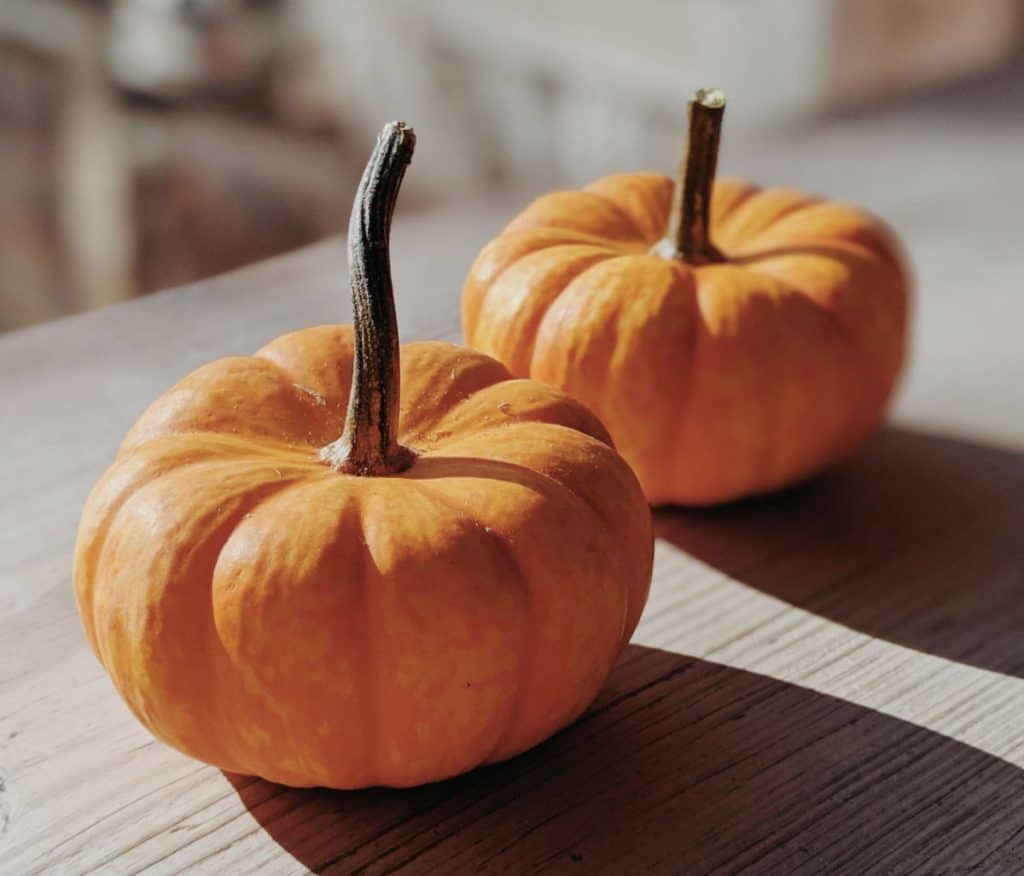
x=369 y=443
x=688 y=236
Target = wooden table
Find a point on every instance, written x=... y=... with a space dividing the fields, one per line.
x=827 y=681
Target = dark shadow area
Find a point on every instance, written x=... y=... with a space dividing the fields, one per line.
x=682 y=766
x=918 y=540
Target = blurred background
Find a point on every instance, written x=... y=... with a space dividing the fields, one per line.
x=148 y=143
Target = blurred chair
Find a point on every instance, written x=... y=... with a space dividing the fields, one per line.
x=144 y=146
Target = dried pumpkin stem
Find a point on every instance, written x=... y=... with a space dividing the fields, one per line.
x=688 y=236
x=369 y=443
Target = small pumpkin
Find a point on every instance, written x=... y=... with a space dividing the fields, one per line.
x=753 y=343
x=444 y=585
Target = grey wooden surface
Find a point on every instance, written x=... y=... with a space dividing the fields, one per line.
x=830 y=680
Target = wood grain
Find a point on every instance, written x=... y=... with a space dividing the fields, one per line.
x=830 y=680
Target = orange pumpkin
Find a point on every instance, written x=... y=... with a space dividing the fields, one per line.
x=445 y=585
x=753 y=344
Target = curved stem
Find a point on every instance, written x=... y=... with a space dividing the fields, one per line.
x=369 y=443
x=688 y=236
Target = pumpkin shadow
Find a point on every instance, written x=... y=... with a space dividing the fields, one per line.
x=917 y=540
x=682 y=765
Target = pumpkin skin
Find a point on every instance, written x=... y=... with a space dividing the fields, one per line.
x=719 y=380
x=262 y=611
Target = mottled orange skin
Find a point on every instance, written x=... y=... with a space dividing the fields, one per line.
x=715 y=382
x=264 y=613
